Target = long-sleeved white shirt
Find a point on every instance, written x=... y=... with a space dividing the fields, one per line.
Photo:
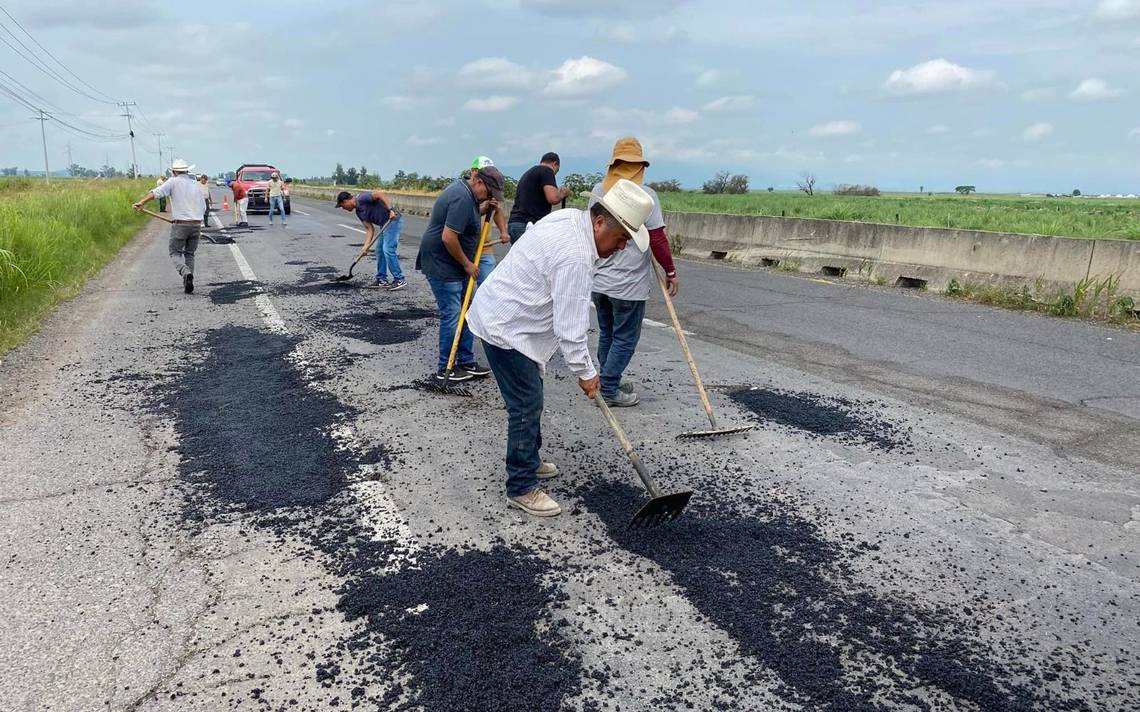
x=537 y=300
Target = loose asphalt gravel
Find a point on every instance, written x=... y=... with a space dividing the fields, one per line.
x=236 y=500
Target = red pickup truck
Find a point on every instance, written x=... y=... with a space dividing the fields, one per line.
x=251 y=180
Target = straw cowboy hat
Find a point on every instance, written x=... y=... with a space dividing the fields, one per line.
x=631 y=205
x=181 y=166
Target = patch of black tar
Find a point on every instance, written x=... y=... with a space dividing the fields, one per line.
x=298 y=262
x=783 y=592
x=330 y=285
x=318 y=274
x=463 y=624
x=830 y=417
x=408 y=312
x=232 y=292
x=250 y=431
x=371 y=327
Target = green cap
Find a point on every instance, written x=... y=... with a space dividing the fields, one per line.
x=481 y=162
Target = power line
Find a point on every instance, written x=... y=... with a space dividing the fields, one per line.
x=39 y=64
x=91 y=126
x=48 y=52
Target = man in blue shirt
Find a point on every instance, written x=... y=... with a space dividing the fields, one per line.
x=446 y=255
x=376 y=212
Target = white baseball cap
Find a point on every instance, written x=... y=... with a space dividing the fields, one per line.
x=631 y=205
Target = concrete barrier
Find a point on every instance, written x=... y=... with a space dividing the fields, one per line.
x=881 y=253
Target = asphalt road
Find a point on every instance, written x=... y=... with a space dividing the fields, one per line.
x=237 y=499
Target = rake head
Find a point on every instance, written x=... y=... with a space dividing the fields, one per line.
x=660 y=510
x=713 y=433
x=431 y=384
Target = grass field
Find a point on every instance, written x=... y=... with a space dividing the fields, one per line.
x=1072 y=217
x=52 y=238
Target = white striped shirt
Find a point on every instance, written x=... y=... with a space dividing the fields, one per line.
x=538 y=298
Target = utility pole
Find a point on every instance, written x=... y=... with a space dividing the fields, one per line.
x=42 y=118
x=161 y=165
x=69 y=161
x=130 y=130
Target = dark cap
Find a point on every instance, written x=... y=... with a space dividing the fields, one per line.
x=342 y=196
x=494 y=181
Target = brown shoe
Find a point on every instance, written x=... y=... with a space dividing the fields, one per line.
x=536 y=503
x=546 y=470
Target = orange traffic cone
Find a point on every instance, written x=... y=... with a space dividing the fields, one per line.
x=225 y=202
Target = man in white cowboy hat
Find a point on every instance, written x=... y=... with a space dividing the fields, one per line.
x=622 y=283
x=537 y=301
x=186 y=209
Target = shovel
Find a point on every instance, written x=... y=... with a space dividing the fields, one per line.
x=155 y=215
x=661 y=508
x=346 y=277
x=714 y=428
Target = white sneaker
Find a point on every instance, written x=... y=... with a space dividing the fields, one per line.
x=536 y=503
x=546 y=470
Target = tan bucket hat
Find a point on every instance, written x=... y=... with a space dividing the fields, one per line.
x=628 y=149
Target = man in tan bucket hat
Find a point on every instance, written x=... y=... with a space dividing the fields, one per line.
x=623 y=282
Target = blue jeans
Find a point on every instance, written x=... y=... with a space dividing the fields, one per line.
x=385 y=245
x=279 y=202
x=619 y=330
x=515 y=230
x=449 y=298
x=486 y=264
x=520 y=383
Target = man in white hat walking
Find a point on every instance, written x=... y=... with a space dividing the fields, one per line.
x=186 y=209
x=537 y=301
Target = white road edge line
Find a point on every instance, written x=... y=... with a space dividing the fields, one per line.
x=659 y=325
x=350 y=227
x=300 y=212
x=380 y=510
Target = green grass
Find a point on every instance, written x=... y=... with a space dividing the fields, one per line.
x=1072 y=217
x=52 y=238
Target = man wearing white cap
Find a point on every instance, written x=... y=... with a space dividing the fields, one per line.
x=186 y=209
x=487 y=260
x=536 y=302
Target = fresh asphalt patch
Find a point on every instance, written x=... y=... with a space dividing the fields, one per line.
x=830 y=417
x=785 y=593
x=232 y=292
x=256 y=442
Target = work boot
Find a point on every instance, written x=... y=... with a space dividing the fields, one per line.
x=625 y=386
x=621 y=399
x=188 y=282
x=536 y=503
x=546 y=470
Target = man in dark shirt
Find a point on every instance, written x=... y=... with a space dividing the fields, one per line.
x=537 y=192
x=375 y=211
x=446 y=255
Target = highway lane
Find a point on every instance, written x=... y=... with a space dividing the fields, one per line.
x=235 y=499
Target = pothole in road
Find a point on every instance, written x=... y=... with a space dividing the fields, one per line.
x=369 y=326
x=232 y=292
x=829 y=417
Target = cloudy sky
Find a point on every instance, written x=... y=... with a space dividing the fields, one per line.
x=1037 y=95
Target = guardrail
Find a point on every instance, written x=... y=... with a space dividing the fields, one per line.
x=886 y=254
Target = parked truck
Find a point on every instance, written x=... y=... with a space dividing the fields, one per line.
x=254 y=179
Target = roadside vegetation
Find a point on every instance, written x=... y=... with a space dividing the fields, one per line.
x=52 y=238
x=1091 y=298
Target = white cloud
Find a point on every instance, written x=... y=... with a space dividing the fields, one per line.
x=1036 y=132
x=330 y=132
x=938 y=129
x=1038 y=94
x=294 y=124
x=584 y=76
x=853 y=158
x=937 y=76
x=835 y=128
x=639 y=34
x=447 y=121
x=400 y=103
x=498 y=72
x=679 y=115
x=1134 y=132
x=709 y=78
x=490 y=103
x=994 y=163
x=415 y=140
x=739 y=102
x=1117 y=9
x=1094 y=90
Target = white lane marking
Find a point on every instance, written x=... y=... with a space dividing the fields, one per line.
x=659 y=325
x=380 y=510
x=350 y=227
x=300 y=212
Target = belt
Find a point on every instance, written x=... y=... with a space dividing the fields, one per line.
x=186 y=222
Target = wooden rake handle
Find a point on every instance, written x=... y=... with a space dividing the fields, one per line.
x=467 y=293
x=627 y=446
x=155 y=215
x=684 y=344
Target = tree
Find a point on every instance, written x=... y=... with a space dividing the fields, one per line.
x=771 y=189
x=921 y=189
x=1076 y=193
x=339 y=175
x=737 y=184
x=806 y=183
x=578 y=182
x=965 y=189
x=363 y=175
x=351 y=177
x=717 y=184
x=10 y=171
x=666 y=186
